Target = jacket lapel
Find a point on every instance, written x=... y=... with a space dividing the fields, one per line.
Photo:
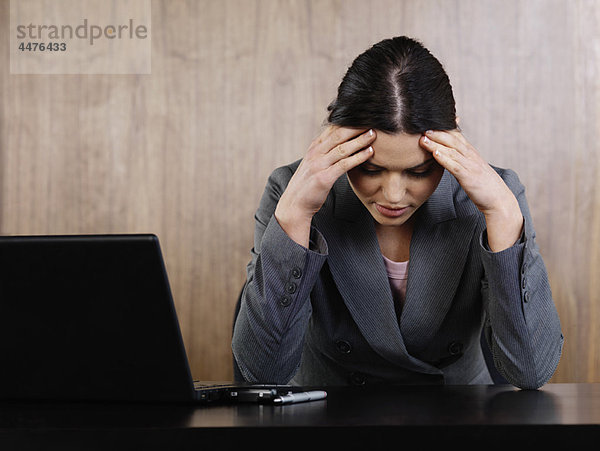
x=438 y=252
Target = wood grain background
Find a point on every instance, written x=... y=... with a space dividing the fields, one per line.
x=239 y=87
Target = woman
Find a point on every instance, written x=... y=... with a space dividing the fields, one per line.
x=381 y=255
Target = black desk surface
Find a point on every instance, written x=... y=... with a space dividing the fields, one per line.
x=494 y=417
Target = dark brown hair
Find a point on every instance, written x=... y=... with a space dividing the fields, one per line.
x=396 y=86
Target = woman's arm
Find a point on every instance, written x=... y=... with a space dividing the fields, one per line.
x=522 y=326
x=275 y=309
x=288 y=254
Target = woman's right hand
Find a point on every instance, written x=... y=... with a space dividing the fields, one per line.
x=333 y=153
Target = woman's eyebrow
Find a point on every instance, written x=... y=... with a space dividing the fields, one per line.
x=422 y=164
x=407 y=169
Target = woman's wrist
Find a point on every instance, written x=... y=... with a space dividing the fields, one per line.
x=504 y=226
x=296 y=226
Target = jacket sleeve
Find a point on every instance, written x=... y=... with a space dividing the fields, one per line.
x=522 y=326
x=275 y=308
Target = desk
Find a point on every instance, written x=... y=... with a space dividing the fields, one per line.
x=491 y=416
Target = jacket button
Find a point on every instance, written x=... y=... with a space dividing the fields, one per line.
x=523 y=283
x=526 y=296
x=358 y=379
x=343 y=346
x=455 y=348
x=290 y=287
x=296 y=273
x=285 y=301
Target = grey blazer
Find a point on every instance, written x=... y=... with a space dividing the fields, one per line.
x=325 y=315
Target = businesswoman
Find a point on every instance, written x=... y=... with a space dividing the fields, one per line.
x=381 y=255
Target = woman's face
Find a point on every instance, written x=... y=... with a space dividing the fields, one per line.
x=397 y=179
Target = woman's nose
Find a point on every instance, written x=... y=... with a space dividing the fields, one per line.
x=394 y=189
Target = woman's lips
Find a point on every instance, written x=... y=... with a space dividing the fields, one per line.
x=390 y=212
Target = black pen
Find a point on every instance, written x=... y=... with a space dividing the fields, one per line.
x=300 y=397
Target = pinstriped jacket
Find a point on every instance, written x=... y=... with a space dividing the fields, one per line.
x=325 y=315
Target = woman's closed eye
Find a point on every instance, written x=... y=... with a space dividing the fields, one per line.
x=369 y=171
x=421 y=173
x=416 y=173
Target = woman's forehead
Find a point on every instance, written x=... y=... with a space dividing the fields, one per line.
x=398 y=151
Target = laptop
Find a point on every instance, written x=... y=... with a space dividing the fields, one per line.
x=91 y=318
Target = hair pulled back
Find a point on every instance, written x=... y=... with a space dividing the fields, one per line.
x=396 y=86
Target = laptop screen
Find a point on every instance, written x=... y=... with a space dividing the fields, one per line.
x=89 y=317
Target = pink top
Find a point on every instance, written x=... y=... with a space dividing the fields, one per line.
x=397 y=274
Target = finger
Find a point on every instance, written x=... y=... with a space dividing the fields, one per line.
x=453 y=139
x=447 y=139
x=344 y=165
x=458 y=134
x=336 y=135
x=347 y=148
x=448 y=157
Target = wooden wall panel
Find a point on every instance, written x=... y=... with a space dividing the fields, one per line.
x=240 y=87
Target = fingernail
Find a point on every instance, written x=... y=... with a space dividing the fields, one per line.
x=369 y=149
x=429 y=132
x=437 y=153
x=425 y=139
x=370 y=132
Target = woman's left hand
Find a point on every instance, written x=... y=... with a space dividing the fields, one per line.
x=481 y=182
